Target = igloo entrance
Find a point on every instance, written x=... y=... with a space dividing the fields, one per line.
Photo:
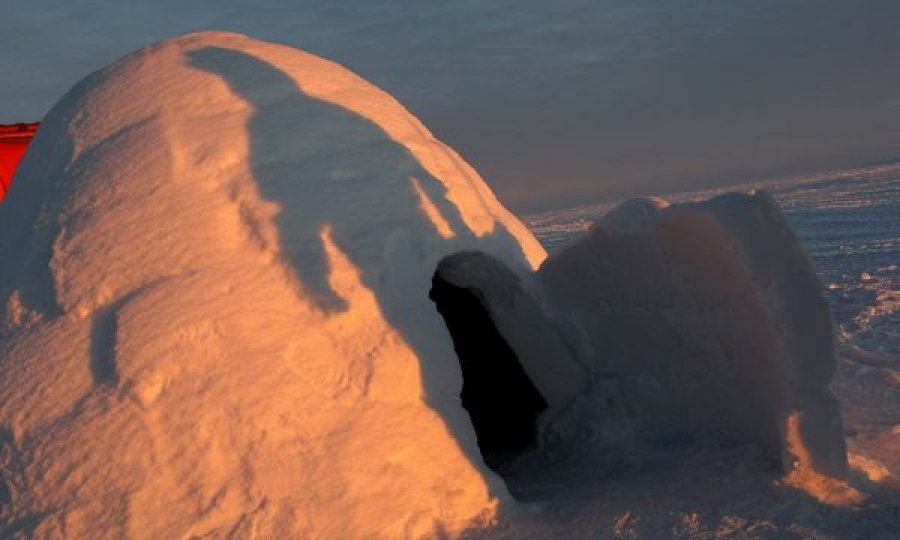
x=498 y=394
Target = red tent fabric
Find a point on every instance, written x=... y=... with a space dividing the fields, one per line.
x=14 y=139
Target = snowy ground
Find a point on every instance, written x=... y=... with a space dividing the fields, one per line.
x=850 y=221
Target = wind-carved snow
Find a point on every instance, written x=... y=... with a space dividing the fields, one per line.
x=239 y=283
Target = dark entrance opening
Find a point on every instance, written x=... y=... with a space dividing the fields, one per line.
x=497 y=393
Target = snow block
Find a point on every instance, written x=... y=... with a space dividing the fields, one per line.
x=215 y=276
x=714 y=319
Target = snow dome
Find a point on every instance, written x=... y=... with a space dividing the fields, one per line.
x=216 y=268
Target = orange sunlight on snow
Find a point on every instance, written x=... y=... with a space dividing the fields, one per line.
x=804 y=476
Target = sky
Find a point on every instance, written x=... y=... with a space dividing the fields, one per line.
x=556 y=103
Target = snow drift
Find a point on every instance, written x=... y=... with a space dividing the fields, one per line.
x=247 y=293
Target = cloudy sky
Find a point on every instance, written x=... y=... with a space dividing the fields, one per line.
x=557 y=102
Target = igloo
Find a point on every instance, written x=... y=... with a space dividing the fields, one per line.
x=248 y=293
x=216 y=266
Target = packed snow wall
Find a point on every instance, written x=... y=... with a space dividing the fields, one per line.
x=712 y=320
x=215 y=276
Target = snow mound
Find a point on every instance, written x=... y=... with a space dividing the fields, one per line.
x=216 y=271
x=711 y=318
